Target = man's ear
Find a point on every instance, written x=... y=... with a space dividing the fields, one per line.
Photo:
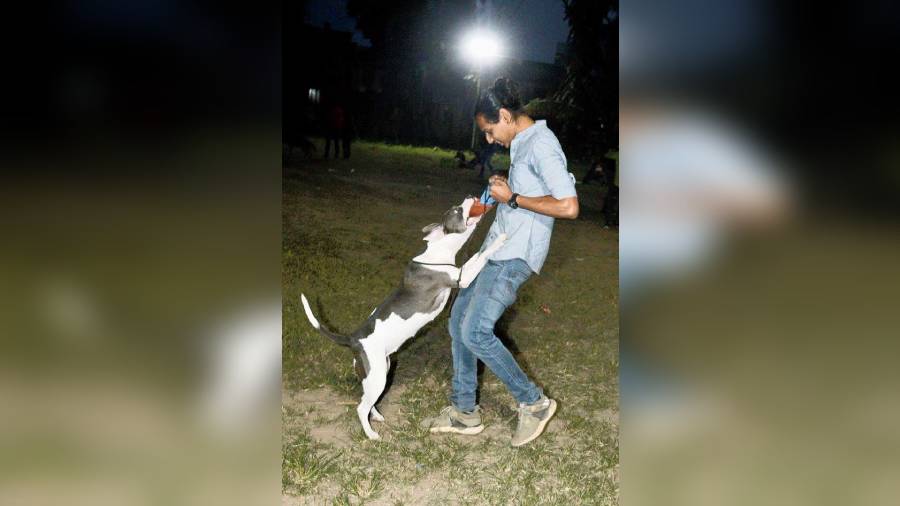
x=435 y=231
x=505 y=115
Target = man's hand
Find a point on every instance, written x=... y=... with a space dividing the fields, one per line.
x=500 y=189
x=547 y=205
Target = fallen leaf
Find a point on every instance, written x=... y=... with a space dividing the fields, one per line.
x=545 y=308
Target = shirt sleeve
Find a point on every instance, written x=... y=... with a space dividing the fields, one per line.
x=550 y=162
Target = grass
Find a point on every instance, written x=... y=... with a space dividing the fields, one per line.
x=349 y=228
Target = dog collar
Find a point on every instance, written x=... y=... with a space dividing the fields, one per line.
x=458 y=278
x=426 y=263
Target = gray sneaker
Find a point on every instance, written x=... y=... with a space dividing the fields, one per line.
x=452 y=420
x=533 y=419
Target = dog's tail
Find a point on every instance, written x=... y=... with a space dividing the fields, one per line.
x=342 y=340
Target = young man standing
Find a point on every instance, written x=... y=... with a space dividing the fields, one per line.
x=539 y=189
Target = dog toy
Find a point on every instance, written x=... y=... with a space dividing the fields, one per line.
x=484 y=204
x=478 y=209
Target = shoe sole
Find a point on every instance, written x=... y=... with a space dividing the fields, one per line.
x=542 y=426
x=468 y=431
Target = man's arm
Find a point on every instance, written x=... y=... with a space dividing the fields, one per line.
x=566 y=208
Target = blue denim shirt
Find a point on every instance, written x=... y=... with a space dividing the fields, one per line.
x=537 y=168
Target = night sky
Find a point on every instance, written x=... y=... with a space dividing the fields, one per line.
x=538 y=25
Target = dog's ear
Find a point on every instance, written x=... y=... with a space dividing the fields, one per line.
x=435 y=231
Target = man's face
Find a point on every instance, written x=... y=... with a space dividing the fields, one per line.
x=501 y=132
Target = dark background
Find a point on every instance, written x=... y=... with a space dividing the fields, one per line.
x=401 y=76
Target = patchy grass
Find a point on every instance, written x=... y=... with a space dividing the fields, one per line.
x=349 y=228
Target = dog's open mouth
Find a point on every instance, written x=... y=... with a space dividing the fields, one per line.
x=475 y=212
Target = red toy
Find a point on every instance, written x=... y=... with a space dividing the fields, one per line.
x=478 y=209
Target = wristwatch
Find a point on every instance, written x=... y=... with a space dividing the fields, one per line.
x=512 y=201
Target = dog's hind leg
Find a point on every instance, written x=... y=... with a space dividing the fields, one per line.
x=375 y=414
x=373 y=385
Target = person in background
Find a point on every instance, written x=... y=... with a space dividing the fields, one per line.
x=334 y=128
x=611 y=202
x=596 y=171
x=348 y=132
x=484 y=158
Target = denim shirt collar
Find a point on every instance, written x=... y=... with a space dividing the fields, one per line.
x=526 y=134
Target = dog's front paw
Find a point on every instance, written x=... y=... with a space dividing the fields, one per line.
x=498 y=242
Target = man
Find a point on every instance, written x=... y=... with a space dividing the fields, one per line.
x=539 y=189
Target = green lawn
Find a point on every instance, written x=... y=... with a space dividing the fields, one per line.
x=349 y=228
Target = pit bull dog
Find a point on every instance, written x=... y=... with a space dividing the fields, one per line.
x=421 y=296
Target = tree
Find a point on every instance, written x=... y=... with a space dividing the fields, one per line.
x=411 y=47
x=591 y=86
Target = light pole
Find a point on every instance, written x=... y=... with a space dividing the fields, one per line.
x=477 y=96
x=481 y=48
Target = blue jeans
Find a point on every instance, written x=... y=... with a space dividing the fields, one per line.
x=472 y=318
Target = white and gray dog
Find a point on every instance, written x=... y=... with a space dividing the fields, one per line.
x=421 y=296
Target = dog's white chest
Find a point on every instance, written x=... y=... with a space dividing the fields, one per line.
x=395 y=330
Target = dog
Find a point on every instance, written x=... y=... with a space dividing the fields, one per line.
x=427 y=283
x=291 y=140
x=461 y=162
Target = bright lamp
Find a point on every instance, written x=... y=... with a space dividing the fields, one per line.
x=481 y=47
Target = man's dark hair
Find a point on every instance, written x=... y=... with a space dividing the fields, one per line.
x=503 y=94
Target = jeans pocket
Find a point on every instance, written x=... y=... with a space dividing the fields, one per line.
x=508 y=282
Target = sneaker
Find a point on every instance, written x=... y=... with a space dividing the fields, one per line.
x=455 y=421
x=533 y=419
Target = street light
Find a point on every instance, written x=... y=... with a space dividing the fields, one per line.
x=480 y=48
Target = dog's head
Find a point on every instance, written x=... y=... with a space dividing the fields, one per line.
x=456 y=220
